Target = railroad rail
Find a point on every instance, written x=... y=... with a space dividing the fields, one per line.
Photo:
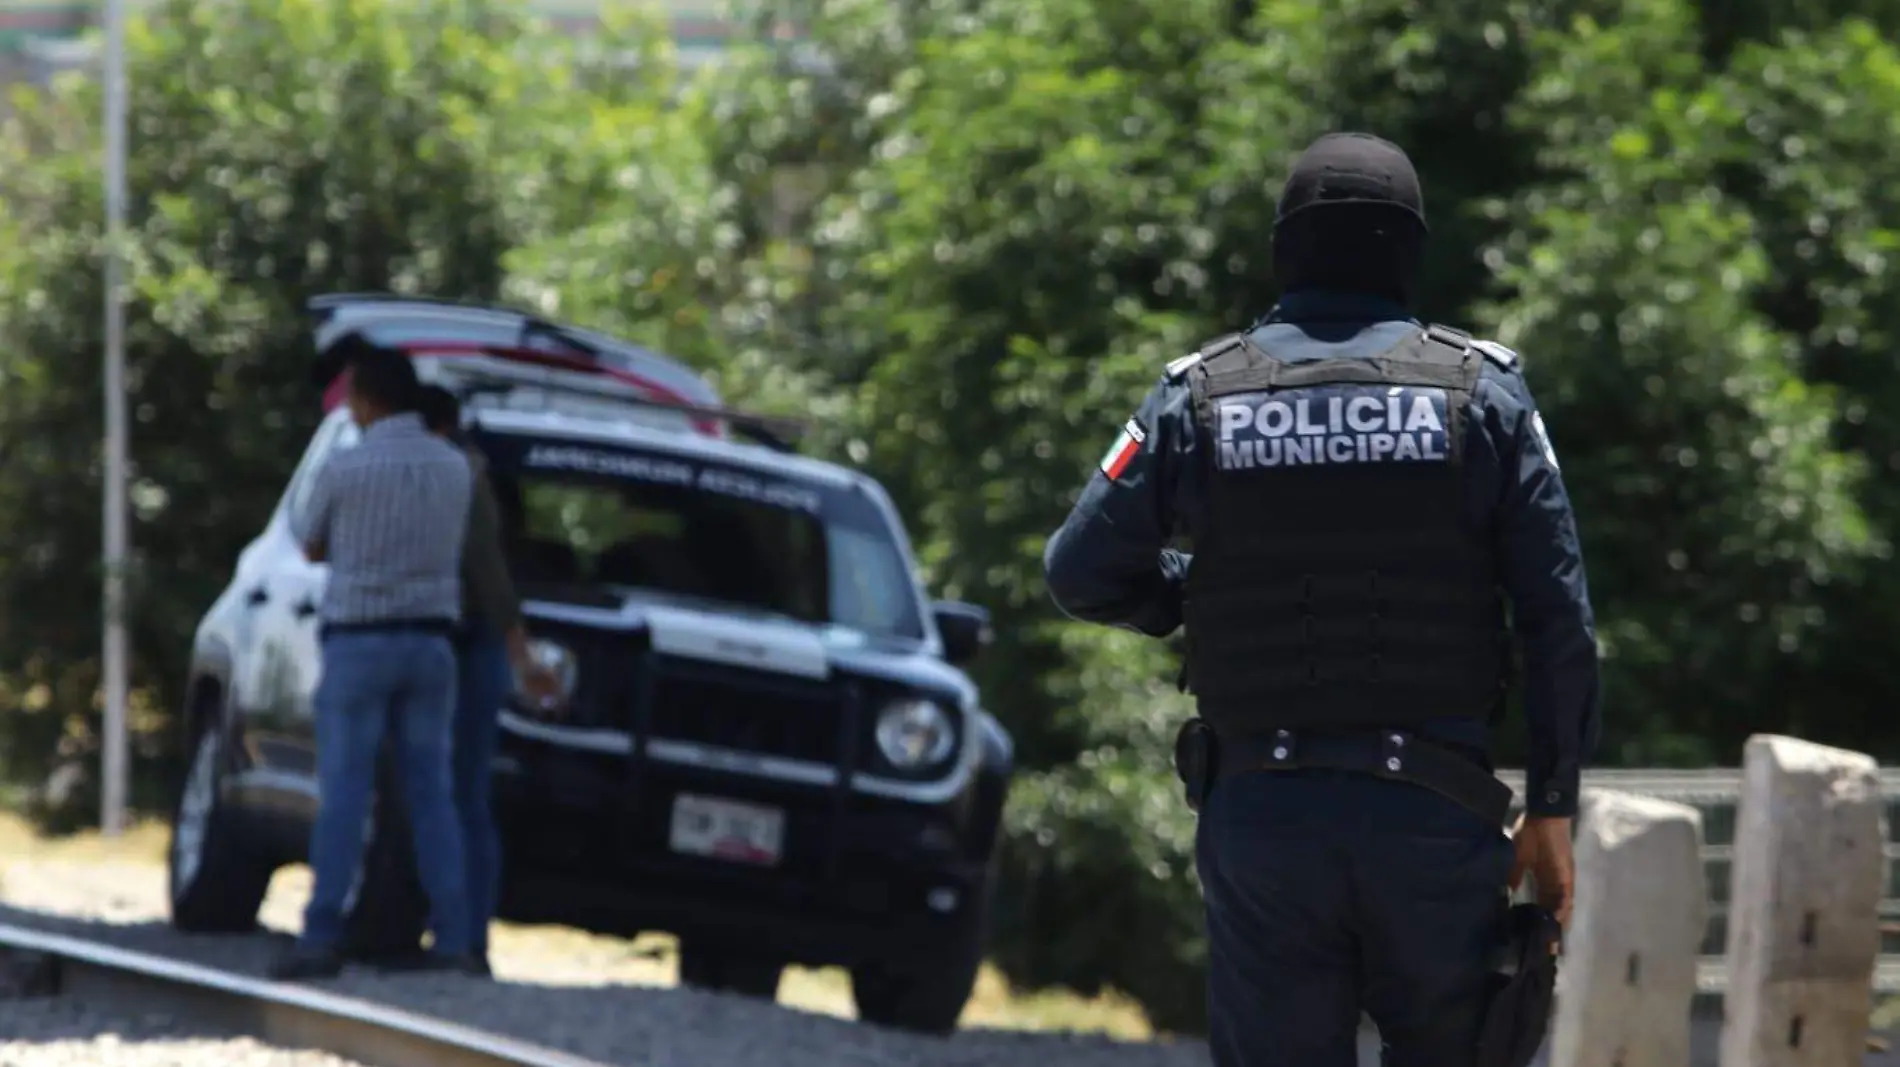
x=43 y=963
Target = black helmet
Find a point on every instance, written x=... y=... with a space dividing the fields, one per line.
x=1351 y=217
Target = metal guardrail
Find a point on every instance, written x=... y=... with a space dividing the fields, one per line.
x=1718 y=787
x=1688 y=785
x=273 y=1012
x=1711 y=976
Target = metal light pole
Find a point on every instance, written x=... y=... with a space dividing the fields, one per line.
x=112 y=800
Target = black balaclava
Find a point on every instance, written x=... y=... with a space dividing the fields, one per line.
x=1352 y=217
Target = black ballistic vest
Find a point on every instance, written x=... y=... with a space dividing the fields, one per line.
x=1341 y=582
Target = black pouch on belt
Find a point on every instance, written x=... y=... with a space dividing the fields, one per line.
x=1196 y=760
x=1523 y=988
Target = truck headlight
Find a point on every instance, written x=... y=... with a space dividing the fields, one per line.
x=557 y=660
x=914 y=733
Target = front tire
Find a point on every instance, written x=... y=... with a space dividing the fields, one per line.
x=720 y=969
x=390 y=912
x=215 y=884
x=927 y=995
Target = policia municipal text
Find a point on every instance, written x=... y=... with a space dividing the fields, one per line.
x=1361 y=495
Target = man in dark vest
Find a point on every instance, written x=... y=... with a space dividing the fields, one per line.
x=492 y=655
x=1361 y=495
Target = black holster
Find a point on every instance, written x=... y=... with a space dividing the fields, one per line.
x=1522 y=989
x=1196 y=760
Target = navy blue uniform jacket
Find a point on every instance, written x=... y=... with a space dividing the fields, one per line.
x=1111 y=561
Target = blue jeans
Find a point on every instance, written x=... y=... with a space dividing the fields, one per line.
x=1329 y=893
x=485 y=679
x=371 y=682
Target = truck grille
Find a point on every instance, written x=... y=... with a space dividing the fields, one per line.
x=607 y=664
x=747 y=711
x=724 y=707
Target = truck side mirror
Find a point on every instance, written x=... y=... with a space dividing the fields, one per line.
x=965 y=629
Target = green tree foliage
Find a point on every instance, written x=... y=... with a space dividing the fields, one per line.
x=278 y=150
x=1025 y=251
x=1716 y=504
x=1809 y=149
x=965 y=247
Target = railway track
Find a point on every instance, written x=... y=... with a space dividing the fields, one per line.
x=38 y=963
x=518 y=1018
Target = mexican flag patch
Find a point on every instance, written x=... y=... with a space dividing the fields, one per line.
x=1122 y=452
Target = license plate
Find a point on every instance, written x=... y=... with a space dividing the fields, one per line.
x=727 y=830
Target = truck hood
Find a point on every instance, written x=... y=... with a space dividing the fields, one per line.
x=758 y=640
x=734 y=635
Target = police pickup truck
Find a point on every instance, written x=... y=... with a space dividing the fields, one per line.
x=768 y=746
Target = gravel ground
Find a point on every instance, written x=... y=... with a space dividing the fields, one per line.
x=597 y=998
x=67 y=1033
x=623 y=1024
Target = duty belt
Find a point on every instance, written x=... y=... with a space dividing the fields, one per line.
x=1393 y=754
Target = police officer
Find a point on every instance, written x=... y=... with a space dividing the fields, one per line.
x=1362 y=494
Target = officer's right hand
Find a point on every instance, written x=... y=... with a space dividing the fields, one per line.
x=1543 y=851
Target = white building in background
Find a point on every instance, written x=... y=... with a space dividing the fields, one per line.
x=40 y=38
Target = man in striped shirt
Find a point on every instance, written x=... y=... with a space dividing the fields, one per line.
x=388 y=516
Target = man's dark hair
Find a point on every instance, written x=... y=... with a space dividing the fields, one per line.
x=440 y=410
x=383 y=376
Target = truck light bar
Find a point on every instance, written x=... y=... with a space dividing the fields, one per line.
x=775 y=431
x=571 y=351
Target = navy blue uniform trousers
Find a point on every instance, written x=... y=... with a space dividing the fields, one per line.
x=1331 y=892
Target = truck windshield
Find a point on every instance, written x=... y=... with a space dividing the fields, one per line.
x=581 y=519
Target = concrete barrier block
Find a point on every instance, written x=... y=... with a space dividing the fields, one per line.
x=1629 y=969
x=1803 y=928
